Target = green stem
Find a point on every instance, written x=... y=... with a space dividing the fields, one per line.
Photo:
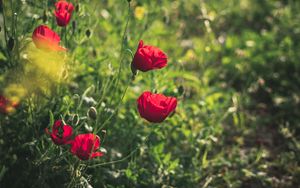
x=116 y=109
x=6 y=34
x=130 y=154
x=4 y=22
x=65 y=37
x=122 y=47
x=119 y=72
x=73 y=175
x=153 y=82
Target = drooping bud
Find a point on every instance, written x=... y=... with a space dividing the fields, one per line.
x=10 y=43
x=88 y=33
x=77 y=8
x=88 y=128
x=180 y=90
x=92 y=113
x=134 y=72
x=75 y=119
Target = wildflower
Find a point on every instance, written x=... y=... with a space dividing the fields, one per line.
x=61 y=134
x=139 y=12
x=148 y=58
x=63 y=12
x=7 y=106
x=155 y=107
x=85 y=146
x=46 y=39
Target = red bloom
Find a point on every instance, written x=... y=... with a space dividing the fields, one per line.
x=63 y=12
x=148 y=58
x=61 y=134
x=85 y=146
x=155 y=107
x=6 y=105
x=46 y=39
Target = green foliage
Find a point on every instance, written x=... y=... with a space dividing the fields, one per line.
x=233 y=66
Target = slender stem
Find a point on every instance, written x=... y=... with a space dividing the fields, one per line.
x=15 y=17
x=153 y=83
x=12 y=15
x=6 y=34
x=116 y=161
x=74 y=174
x=130 y=154
x=4 y=22
x=122 y=46
x=119 y=71
x=65 y=36
x=116 y=109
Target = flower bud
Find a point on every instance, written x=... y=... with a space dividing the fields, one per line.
x=180 y=90
x=73 y=26
x=75 y=119
x=10 y=43
x=92 y=113
x=88 y=33
x=77 y=8
x=88 y=128
x=45 y=17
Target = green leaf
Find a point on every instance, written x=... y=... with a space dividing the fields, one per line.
x=51 y=118
x=204 y=160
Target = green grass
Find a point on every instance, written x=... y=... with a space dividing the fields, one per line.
x=233 y=65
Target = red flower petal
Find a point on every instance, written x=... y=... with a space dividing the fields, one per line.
x=46 y=39
x=155 y=107
x=148 y=58
x=85 y=146
x=61 y=134
x=63 y=12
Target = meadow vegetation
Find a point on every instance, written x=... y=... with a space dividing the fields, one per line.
x=233 y=67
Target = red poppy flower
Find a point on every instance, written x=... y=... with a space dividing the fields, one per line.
x=85 y=146
x=61 y=134
x=155 y=107
x=148 y=58
x=46 y=39
x=63 y=12
x=6 y=105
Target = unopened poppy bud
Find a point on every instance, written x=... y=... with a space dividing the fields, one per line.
x=94 y=52
x=88 y=33
x=180 y=90
x=92 y=113
x=75 y=119
x=73 y=26
x=45 y=18
x=76 y=99
x=88 y=128
x=77 y=8
x=10 y=43
x=103 y=150
x=165 y=19
x=134 y=72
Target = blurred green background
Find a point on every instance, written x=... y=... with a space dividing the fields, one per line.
x=233 y=65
